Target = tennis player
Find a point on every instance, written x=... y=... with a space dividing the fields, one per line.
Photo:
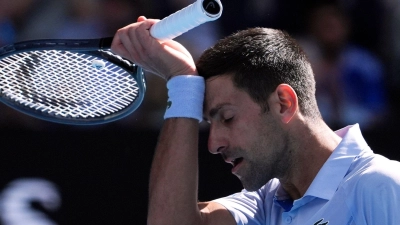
x=259 y=98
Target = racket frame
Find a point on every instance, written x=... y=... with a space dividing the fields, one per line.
x=199 y=12
x=95 y=47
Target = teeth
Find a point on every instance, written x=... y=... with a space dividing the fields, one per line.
x=234 y=162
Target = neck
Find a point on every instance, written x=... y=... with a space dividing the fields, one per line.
x=311 y=152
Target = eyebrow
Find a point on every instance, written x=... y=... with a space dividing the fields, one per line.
x=215 y=110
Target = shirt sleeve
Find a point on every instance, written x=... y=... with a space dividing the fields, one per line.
x=246 y=207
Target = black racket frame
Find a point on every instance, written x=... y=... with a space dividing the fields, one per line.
x=96 y=47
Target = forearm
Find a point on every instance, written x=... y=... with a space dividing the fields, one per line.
x=174 y=174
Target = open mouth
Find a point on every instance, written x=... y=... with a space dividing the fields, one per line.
x=236 y=161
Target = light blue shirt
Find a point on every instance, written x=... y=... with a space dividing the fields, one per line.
x=354 y=187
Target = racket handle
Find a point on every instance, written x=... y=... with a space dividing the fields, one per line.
x=187 y=18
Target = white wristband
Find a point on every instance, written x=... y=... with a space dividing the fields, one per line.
x=185 y=97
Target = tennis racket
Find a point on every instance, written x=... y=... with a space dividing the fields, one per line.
x=82 y=82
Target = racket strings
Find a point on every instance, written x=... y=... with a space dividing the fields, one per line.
x=65 y=84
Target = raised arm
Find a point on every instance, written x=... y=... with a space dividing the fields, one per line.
x=174 y=173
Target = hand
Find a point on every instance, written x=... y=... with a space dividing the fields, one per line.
x=166 y=59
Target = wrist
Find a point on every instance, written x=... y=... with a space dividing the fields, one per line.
x=185 y=97
x=186 y=72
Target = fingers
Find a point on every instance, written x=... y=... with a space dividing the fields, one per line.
x=166 y=59
x=129 y=41
x=141 y=19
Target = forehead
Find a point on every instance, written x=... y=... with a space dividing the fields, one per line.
x=221 y=91
x=218 y=88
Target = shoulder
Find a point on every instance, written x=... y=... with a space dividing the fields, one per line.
x=381 y=169
x=373 y=190
x=265 y=192
x=251 y=199
x=250 y=207
x=376 y=175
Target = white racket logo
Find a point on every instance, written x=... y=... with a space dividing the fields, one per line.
x=98 y=64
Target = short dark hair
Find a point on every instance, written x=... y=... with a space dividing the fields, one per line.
x=259 y=59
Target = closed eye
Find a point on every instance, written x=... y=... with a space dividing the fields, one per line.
x=228 y=120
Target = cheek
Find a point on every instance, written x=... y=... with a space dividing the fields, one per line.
x=247 y=129
x=248 y=136
x=267 y=137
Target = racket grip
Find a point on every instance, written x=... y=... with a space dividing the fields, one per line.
x=187 y=18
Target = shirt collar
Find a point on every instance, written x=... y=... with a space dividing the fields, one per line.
x=336 y=167
x=332 y=172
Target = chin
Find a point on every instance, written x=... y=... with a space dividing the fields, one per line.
x=251 y=186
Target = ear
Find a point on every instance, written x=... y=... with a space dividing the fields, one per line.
x=285 y=102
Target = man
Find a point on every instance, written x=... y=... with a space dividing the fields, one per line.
x=264 y=120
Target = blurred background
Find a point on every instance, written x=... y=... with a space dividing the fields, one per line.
x=62 y=174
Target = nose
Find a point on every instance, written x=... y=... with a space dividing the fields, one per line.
x=217 y=140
